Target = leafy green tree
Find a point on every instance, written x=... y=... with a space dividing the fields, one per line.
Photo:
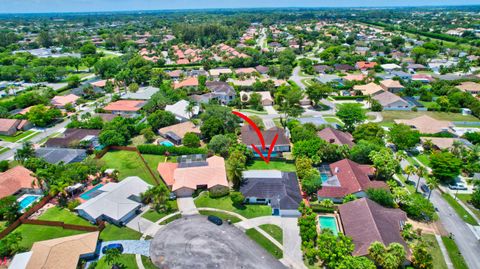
x=390 y=257
x=475 y=200
x=220 y=144
x=112 y=256
x=403 y=136
x=381 y=196
x=421 y=256
x=148 y=134
x=303 y=132
x=255 y=101
x=348 y=198
x=332 y=249
x=361 y=151
x=158 y=197
x=237 y=198
x=309 y=148
x=369 y=131
x=4 y=165
x=88 y=49
x=350 y=262
x=385 y=163
x=318 y=91
x=303 y=165
x=288 y=101
x=73 y=81
x=311 y=181
x=25 y=152
x=42 y=116
x=351 y=114
x=10 y=244
x=445 y=166
x=111 y=138
x=235 y=166
x=9 y=209
x=191 y=140
x=160 y=119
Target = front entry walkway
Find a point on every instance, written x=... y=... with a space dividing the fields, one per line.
x=186 y=206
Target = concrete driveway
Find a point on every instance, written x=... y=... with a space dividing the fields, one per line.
x=194 y=242
x=186 y=206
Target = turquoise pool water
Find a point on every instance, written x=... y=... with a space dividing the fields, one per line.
x=265 y=154
x=27 y=201
x=328 y=222
x=91 y=192
x=324 y=177
x=167 y=143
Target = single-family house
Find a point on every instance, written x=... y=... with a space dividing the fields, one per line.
x=362 y=65
x=245 y=71
x=176 y=132
x=190 y=83
x=179 y=109
x=278 y=189
x=63 y=252
x=73 y=137
x=125 y=107
x=17 y=180
x=57 y=155
x=11 y=126
x=391 y=101
x=322 y=69
x=366 y=222
x=217 y=72
x=266 y=97
x=390 y=67
x=391 y=85
x=337 y=137
x=221 y=91
x=347 y=177
x=192 y=172
x=249 y=137
x=144 y=93
x=343 y=67
x=424 y=78
x=116 y=203
x=354 y=77
x=442 y=143
x=470 y=87
x=369 y=89
x=175 y=75
x=262 y=69
x=427 y=125
x=60 y=101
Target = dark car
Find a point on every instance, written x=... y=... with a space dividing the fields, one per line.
x=425 y=188
x=112 y=246
x=215 y=219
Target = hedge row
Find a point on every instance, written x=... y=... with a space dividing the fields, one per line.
x=322 y=209
x=349 y=97
x=161 y=150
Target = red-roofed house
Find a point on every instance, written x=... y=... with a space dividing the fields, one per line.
x=365 y=65
x=348 y=177
x=125 y=107
x=11 y=126
x=334 y=136
x=16 y=180
x=61 y=101
x=191 y=83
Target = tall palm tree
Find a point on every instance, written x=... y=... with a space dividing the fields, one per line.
x=401 y=155
x=409 y=170
x=421 y=172
x=432 y=183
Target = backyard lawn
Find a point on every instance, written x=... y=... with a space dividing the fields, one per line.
x=223 y=216
x=265 y=243
x=127 y=260
x=113 y=232
x=154 y=216
x=64 y=215
x=225 y=203
x=390 y=115
x=454 y=253
x=128 y=163
x=434 y=249
x=272 y=165
x=462 y=213
x=19 y=136
x=34 y=233
x=273 y=230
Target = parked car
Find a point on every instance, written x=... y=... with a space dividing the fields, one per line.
x=172 y=196
x=425 y=188
x=458 y=186
x=112 y=246
x=215 y=220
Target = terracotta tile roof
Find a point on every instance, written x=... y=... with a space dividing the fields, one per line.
x=212 y=174
x=366 y=222
x=369 y=89
x=469 y=86
x=427 y=125
x=387 y=98
x=249 y=136
x=15 y=179
x=7 y=124
x=188 y=82
x=336 y=137
x=352 y=178
x=125 y=105
x=61 y=101
x=440 y=142
x=354 y=77
x=390 y=83
x=247 y=70
x=62 y=252
x=365 y=65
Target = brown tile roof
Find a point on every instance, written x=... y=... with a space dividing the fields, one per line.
x=188 y=82
x=366 y=222
x=369 y=89
x=62 y=252
x=180 y=129
x=353 y=178
x=365 y=65
x=125 y=105
x=390 y=83
x=334 y=136
x=249 y=136
x=440 y=142
x=7 y=124
x=426 y=124
x=70 y=136
x=15 y=179
x=469 y=86
x=61 y=101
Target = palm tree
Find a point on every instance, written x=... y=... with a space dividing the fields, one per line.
x=421 y=172
x=401 y=155
x=432 y=183
x=111 y=256
x=409 y=170
x=189 y=109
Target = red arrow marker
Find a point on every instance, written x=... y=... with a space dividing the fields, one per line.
x=260 y=136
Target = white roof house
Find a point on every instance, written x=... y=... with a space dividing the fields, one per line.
x=179 y=110
x=144 y=93
x=116 y=202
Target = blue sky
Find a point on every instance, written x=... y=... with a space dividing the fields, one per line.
x=36 y=6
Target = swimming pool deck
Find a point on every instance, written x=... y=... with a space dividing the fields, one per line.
x=336 y=216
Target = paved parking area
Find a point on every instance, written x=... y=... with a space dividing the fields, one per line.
x=194 y=242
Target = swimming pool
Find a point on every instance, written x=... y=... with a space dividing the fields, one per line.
x=324 y=177
x=91 y=192
x=26 y=200
x=328 y=222
x=167 y=143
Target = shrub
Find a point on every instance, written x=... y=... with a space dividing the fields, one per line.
x=3 y=166
x=161 y=150
x=218 y=192
x=381 y=196
x=72 y=204
x=237 y=198
x=321 y=209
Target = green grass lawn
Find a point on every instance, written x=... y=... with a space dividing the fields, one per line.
x=113 y=232
x=412 y=161
x=174 y=217
x=127 y=260
x=128 y=163
x=434 y=249
x=454 y=253
x=253 y=111
x=390 y=115
x=333 y=120
x=424 y=159
x=272 y=165
x=265 y=243
x=153 y=161
x=409 y=187
x=147 y=263
x=462 y=213
x=225 y=203
x=153 y=215
x=17 y=136
x=273 y=230
x=465 y=199
x=2 y=150
x=64 y=215
x=34 y=233
x=223 y=216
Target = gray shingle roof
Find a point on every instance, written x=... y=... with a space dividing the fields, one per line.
x=57 y=155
